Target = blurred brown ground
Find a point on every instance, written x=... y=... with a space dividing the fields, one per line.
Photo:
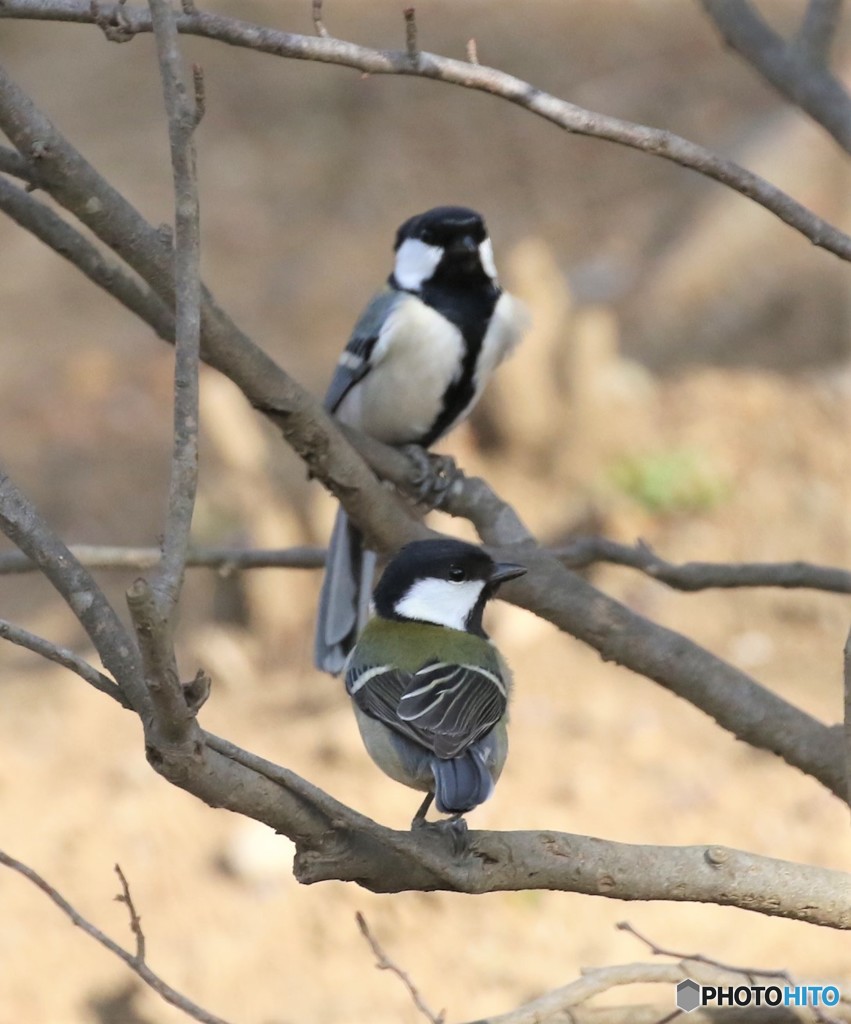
x=687 y=382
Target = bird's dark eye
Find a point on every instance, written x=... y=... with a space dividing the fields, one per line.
x=428 y=237
x=457 y=574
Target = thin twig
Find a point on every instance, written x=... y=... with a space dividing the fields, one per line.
x=693 y=576
x=669 y=1017
x=749 y=972
x=411 y=47
x=62 y=656
x=200 y=94
x=135 y=921
x=384 y=963
x=318 y=23
x=225 y=560
x=134 y=962
x=585 y=551
x=183 y=116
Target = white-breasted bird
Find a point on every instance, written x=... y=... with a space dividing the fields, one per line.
x=417 y=362
x=429 y=689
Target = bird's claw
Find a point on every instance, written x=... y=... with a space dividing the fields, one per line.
x=455 y=828
x=433 y=475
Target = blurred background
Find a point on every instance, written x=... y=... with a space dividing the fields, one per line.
x=687 y=381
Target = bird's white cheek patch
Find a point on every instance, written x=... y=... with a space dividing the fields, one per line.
x=441 y=602
x=416 y=262
x=486 y=259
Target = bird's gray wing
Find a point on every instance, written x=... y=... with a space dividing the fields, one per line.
x=354 y=362
x=377 y=690
x=444 y=708
x=453 y=705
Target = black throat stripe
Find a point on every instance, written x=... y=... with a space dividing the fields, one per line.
x=470 y=310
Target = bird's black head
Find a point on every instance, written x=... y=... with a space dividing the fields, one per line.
x=443 y=582
x=448 y=245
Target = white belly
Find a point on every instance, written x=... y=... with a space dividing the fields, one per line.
x=415 y=359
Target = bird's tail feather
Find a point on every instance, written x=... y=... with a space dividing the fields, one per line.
x=344 y=598
x=461 y=783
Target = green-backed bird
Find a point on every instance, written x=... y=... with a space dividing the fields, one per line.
x=430 y=691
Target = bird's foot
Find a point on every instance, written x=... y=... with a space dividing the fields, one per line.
x=433 y=475
x=455 y=828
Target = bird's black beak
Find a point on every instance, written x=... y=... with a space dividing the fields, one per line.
x=464 y=246
x=504 y=571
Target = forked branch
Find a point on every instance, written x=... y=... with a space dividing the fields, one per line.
x=135 y=961
x=797 y=67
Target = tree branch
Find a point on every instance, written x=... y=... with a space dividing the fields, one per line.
x=699 y=958
x=796 y=69
x=22 y=524
x=564 y=1005
x=818 y=30
x=578 y=554
x=693 y=576
x=384 y=963
x=736 y=702
x=56 y=233
x=73 y=183
x=566 y=115
x=334 y=841
x=13 y=163
x=135 y=921
x=661 y=1013
x=593 y=983
x=225 y=560
x=65 y=657
x=183 y=117
x=136 y=963
x=172 y=723
x=511 y=861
